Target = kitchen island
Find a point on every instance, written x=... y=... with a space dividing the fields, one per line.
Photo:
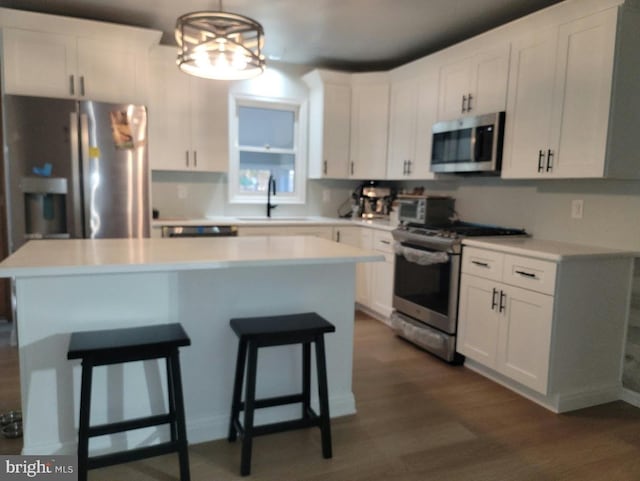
x=74 y=285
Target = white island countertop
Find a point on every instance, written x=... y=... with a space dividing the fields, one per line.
x=101 y=256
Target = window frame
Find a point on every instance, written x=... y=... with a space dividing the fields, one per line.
x=299 y=107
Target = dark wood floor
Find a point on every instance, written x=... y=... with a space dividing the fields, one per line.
x=421 y=419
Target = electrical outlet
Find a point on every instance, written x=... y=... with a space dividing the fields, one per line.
x=577 y=208
x=182 y=191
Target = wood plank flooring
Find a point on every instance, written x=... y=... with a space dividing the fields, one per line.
x=421 y=419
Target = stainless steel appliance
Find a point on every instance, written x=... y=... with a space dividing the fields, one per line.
x=468 y=145
x=75 y=169
x=425 y=209
x=372 y=201
x=426 y=281
x=200 y=231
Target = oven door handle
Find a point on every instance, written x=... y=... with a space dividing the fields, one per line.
x=422 y=257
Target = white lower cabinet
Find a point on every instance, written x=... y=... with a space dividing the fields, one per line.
x=552 y=330
x=506 y=328
x=381 y=299
x=374 y=280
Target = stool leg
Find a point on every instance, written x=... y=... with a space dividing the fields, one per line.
x=249 y=402
x=306 y=379
x=173 y=428
x=181 y=428
x=237 y=389
x=323 y=394
x=85 y=415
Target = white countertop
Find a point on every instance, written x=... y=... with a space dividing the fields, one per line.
x=40 y=258
x=544 y=249
x=259 y=221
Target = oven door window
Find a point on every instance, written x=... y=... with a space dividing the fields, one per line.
x=424 y=285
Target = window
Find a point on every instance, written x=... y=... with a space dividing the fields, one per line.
x=266 y=140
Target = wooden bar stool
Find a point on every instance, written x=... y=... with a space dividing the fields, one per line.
x=257 y=332
x=99 y=348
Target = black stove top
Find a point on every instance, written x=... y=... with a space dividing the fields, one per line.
x=463 y=229
x=449 y=235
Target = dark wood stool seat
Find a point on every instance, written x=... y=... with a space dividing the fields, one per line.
x=256 y=332
x=112 y=346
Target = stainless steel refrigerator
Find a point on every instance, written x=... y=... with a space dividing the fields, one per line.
x=75 y=169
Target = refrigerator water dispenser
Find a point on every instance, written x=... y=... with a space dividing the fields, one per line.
x=45 y=207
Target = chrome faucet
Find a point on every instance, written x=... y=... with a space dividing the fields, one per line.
x=270 y=185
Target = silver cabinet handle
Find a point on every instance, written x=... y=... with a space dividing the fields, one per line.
x=338 y=236
x=195 y=158
x=385 y=242
x=408 y=167
x=82 y=85
x=502 y=306
x=186 y=158
x=464 y=104
x=540 y=160
x=549 y=160
x=351 y=168
x=324 y=167
x=72 y=85
x=469 y=98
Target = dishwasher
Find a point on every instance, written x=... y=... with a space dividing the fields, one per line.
x=200 y=231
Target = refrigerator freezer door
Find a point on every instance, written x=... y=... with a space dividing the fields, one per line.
x=115 y=170
x=40 y=143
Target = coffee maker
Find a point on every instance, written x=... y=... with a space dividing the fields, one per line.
x=372 y=201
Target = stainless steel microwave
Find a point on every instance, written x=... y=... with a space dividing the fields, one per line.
x=468 y=145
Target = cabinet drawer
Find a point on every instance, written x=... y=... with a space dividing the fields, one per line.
x=482 y=263
x=532 y=274
x=383 y=241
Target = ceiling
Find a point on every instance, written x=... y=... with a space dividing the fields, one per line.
x=342 y=34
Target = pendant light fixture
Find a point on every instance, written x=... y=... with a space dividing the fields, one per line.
x=219 y=45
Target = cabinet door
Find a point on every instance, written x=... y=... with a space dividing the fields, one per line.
x=427 y=116
x=358 y=237
x=525 y=337
x=369 y=125
x=455 y=86
x=489 y=81
x=403 y=114
x=169 y=113
x=529 y=104
x=583 y=95
x=39 y=64
x=382 y=285
x=106 y=72
x=478 y=320
x=209 y=124
x=336 y=128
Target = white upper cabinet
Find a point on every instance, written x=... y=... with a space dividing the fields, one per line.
x=50 y=59
x=329 y=123
x=413 y=111
x=188 y=118
x=474 y=85
x=571 y=106
x=369 y=126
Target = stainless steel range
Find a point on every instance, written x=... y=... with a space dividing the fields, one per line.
x=426 y=281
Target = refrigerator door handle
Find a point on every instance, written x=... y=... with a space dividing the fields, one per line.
x=75 y=176
x=87 y=176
